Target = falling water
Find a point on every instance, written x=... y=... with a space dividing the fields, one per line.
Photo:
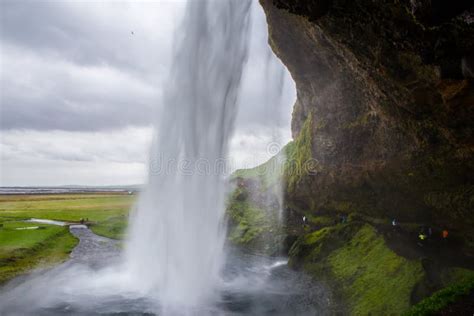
x=177 y=234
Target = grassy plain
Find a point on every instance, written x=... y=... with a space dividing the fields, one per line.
x=24 y=249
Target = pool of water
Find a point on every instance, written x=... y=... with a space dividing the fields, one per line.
x=45 y=221
x=93 y=282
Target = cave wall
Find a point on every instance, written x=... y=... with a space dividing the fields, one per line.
x=387 y=88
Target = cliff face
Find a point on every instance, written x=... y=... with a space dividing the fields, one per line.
x=386 y=90
x=382 y=130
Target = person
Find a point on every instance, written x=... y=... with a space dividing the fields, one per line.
x=395 y=226
x=82 y=221
x=445 y=234
x=422 y=235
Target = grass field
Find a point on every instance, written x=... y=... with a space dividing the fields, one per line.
x=66 y=207
x=107 y=211
x=22 y=250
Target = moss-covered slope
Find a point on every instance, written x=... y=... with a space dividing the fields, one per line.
x=355 y=260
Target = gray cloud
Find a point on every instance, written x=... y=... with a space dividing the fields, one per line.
x=40 y=94
x=76 y=65
x=91 y=33
x=79 y=93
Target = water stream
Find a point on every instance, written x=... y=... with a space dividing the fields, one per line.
x=91 y=283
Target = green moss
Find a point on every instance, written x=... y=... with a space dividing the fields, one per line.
x=299 y=160
x=320 y=220
x=312 y=249
x=251 y=225
x=250 y=222
x=435 y=303
x=341 y=206
x=375 y=280
x=361 y=268
x=455 y=275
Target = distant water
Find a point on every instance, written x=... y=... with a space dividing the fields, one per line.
x=45 y=221
x=61 y=190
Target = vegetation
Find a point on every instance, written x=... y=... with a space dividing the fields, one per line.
x=23 y=250
x=250 y=221
x=441 y=299
x=374 y=279
x=113 y=227
x=361 y=268
x=108 y=212
x=253 y=224
x=269 y=173
x=321 y=220
x=65 y=207
x=299 y=156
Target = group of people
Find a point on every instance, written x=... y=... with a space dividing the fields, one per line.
x=84 y=220
x=424 y=233
x=427 y=233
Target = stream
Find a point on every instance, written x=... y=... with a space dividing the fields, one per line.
x=92 y=282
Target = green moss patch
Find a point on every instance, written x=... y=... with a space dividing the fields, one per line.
x=368 y=276
x=443 y=298
x=321 y=220
x=374 y=279
x=299 y=156
x=251 y=225
x=250 y=222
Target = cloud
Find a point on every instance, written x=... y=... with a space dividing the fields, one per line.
x=30 y=157
x=44 y=94
x=92 y=32
x=76 y=65
x=124 y=146
x=79 y=92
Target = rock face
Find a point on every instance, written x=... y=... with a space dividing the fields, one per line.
x=385 y=104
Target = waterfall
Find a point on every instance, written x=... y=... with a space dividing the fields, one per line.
x=176 y=238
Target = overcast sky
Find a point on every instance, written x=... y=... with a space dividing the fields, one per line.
x=79 y=91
